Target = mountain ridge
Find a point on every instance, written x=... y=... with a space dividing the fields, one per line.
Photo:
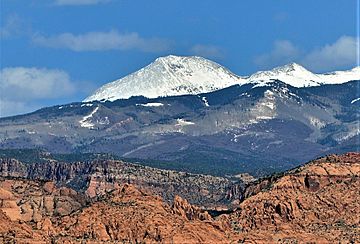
x=182 y=75
x=239 y=129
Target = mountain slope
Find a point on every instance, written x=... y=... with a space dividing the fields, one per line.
x=235 y=130
x=249 y=127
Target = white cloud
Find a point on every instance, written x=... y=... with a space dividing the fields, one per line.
x=283 y=52
x=13 y=26
x=341 y=53
x=338 y=55
x=79 y=2
x=22 y=87
x=96 y=41
x=30 y=83
x=208 y=51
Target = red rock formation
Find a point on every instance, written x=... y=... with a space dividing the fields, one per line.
x=40 y=213
x=183 y=208
x=130 y=215
x=317 y=202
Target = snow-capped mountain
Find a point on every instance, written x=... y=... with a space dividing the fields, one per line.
x=297 y=76
x=339 y=77
x=243 y=128
x=175 y=75
x=169 y=76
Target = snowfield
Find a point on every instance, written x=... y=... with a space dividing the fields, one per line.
x=175 y=75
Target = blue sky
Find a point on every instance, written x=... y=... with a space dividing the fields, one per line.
x=59 y=51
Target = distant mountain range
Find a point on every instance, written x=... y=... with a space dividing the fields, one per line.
x=191 y=114
x=174 y=76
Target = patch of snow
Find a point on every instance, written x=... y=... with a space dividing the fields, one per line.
x=294 y=95
x=278 y=142
x=182 y=122
x=316 y=122
x=205 y=101
x=348 y=135
x=86 y=120
x=87 y=105
x=235 y=138
x=253 y=121
x=355 y=100
x=269 y=104
x=151 y=105
x=104 y=121
x=264 y=117
x=269 y=93
x=142 y=147
x=269 y=100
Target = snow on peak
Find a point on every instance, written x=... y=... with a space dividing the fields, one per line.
x=338 y=77
x=295 y=75
x=179 y=75
x=169 y=76
x=290 y=68
x=292 y=74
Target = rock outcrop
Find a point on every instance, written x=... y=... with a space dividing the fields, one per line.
x=125 y=215
x=100 y=176
x=316 y=203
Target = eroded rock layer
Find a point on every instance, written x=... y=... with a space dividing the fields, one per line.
x=97 y=177
x=318 y=202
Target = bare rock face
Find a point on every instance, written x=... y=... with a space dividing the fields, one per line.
x=98 y=177
x=8 y=205
x=183 y=208
x=32 y=201
x=125 y=215
x=316 y=202
x=131 y=215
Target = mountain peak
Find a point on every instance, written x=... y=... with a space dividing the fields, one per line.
x=180 y=75
x=296 y=75
x=292 y=74
x=176 y=58
x=291 y=67
x=169 y=76
x=185 y=62
x=169 y=58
